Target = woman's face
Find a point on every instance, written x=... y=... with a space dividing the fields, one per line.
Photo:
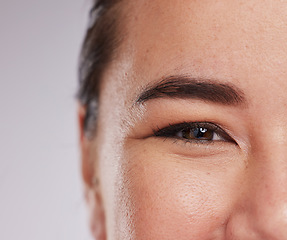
x=192 y=130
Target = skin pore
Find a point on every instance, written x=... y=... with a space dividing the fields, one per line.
x=172 y=162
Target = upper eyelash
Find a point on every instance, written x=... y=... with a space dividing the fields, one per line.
x=171 y=130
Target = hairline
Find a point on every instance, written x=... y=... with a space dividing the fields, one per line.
x=102 y=40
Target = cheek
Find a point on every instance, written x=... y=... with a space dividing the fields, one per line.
x=166 y=198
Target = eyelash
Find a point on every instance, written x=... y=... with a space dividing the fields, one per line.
x=178 y=131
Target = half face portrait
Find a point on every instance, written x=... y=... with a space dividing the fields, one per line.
x=183 y=119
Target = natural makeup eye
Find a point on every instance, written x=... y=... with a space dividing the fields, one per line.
x=194 y=132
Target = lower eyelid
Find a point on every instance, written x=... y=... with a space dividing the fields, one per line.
x=200 y=145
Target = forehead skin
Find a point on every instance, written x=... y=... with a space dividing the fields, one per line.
x=146 y=195
x=229 y=40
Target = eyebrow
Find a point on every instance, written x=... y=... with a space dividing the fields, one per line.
x=185 y=87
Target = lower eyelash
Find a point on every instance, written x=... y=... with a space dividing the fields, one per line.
x=184 y=142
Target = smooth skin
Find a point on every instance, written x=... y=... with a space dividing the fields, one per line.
x=145 y=187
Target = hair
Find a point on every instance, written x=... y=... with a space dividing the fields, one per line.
x=99 y=44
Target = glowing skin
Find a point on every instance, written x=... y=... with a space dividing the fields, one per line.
x=151 y=187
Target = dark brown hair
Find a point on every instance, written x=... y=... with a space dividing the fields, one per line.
x=100 y=42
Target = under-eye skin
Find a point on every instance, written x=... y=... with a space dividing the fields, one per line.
x=199 y=132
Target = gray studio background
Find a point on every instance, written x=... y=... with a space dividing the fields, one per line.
x=40 y=186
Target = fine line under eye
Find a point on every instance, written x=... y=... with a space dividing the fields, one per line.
x=194 y=132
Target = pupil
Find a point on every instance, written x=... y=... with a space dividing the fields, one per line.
x=198 y=133
x=202 y=133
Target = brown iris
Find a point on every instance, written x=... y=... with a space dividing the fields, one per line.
x=199 y=133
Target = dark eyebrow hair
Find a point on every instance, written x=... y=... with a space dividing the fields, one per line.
x=186 y=87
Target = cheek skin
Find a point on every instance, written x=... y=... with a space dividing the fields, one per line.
x=168 y=198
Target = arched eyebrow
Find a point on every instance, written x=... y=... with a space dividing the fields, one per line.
x=185 y=87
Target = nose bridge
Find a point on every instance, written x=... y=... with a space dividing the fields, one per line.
x=268 y=158
x=261 y=208
x=267 y=184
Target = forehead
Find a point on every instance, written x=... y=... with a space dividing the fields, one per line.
x=206 y=36
x=243 y=42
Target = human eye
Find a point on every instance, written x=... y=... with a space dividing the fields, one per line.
x=202 y=132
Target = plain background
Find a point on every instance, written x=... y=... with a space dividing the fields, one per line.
x=40 y=184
